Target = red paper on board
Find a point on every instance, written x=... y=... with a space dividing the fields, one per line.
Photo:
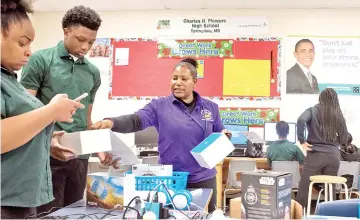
x=147 y=75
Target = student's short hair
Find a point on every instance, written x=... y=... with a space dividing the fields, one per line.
x=282 y=128
x=83 y=16
x=303 y=41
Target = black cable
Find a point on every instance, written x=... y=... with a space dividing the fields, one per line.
x=154 y=198
x=82 y=216
x=131 y=201
x=195 y=215
x=171 y=216
x=114 y=209
x=102 y=213
x=50 y=211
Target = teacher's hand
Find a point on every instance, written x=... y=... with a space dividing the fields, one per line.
x=104 y=124
x=227 y=133
x=306 y=146
x=107 y=159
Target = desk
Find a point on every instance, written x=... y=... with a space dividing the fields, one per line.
x=79 y=208
x=222 y=173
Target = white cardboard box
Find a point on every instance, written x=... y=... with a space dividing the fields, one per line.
x=212 y=150
x=94 y=141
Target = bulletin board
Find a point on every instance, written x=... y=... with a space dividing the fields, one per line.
x=229 y=69
x=252 y=117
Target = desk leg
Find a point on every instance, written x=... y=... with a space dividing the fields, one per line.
x=219 y=187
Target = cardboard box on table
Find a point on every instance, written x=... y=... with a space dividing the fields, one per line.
x=237 y=210
x=212 y=150
x=104 y=191
x=266 y=194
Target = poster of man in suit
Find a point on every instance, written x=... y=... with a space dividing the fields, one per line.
x=315 y=63
x=299 y=78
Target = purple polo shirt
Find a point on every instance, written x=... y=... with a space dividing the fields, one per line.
x=180 y=131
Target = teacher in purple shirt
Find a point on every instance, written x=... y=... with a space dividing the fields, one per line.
x=183 y=120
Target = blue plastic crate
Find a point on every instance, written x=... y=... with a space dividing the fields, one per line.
x=146 y=183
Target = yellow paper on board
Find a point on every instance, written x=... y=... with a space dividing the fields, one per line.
x=246 y=77
x=200 y=69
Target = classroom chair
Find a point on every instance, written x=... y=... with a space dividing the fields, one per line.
x=340 y=208
x=288 y=166
x=328 y=182
x=235 y=167
x=352 y=169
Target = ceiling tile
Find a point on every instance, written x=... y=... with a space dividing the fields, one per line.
x=184 y=4
x=115 y=5
x=102 y=5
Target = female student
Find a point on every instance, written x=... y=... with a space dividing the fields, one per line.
x=326 y=132
x=183 y=120
x=26 y=125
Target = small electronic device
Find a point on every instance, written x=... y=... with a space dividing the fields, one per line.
x=78 y=99
x=255 y=144
x=146 y=142
x=270 y=134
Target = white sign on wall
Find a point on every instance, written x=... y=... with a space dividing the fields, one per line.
x=222 y=26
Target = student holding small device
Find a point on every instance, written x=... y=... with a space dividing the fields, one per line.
x=26 y=124
x=183 y=120
x=64 y=69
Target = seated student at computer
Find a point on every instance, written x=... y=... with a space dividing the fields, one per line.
x=349 y=152
x=282 y=149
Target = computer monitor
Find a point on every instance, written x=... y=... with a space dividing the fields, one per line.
x=237 y=139
x=146 y=137
x=270 y=134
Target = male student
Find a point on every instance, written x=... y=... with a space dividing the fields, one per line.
x=64 y=69
x=299 y=77
x=282 y=149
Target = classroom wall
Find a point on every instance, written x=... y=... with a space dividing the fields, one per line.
x=283 y=22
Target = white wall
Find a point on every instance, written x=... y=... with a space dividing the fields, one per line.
x=283 y=23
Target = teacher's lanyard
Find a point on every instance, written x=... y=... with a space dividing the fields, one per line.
x=189 y=114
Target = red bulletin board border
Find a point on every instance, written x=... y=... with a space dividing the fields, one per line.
x=275 y=86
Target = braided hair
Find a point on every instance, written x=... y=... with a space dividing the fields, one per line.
x=330 y=117
x=14 y=11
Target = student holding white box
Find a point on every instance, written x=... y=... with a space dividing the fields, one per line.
x=183 y=120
